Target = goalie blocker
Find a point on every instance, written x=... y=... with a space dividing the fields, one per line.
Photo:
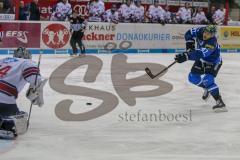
x=16 y=72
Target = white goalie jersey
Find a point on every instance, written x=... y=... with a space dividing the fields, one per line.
x=14 y=74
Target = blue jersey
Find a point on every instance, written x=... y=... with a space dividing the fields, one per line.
x=207 y=50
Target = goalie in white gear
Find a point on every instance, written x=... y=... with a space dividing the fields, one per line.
x=15 y=73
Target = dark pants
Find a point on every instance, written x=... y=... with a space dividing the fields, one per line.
x=8 y=109
x=77 y=40
x=204 y=68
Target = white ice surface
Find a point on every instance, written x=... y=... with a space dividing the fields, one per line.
x=208 y=136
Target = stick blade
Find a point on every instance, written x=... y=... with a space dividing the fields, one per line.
x=148 y=71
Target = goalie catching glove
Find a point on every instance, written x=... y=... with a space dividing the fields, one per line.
x=35 y=95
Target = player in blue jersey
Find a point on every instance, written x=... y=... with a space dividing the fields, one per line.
x=207 y=62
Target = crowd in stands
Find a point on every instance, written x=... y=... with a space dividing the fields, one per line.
x=132 y=11
x=6 y=6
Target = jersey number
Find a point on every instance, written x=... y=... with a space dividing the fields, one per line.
x=4 y=70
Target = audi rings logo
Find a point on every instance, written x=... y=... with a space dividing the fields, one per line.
x=124 y=45
x=81 y=9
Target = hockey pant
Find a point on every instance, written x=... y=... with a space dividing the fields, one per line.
x=203 y=75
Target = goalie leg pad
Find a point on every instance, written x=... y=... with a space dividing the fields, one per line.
x=16 y=124
x=7 y=128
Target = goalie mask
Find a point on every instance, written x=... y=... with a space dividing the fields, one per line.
x=22 y=52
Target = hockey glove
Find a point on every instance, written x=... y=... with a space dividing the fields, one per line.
x=182 y=57
x=190 y=45
x=36 y=95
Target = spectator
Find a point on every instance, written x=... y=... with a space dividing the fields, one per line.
x=126 y=11
x=199 y=17
x=167 y=15
x=23 y=11
x=8 y=6
x=62 y=11
x=185 y=14
x=1 y=6
x=156 y=13
x=96 y=9
x=111 y=15
x=34 y=11
x=194 y=11
x=210 y=14
x=138 y=14
x=219 y=16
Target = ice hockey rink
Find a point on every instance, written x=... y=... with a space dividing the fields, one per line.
x=203 y=135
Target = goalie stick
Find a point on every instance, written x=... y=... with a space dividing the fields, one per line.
x=35 y=83
x=151 y=75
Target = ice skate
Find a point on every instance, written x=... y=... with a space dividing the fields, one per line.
x=220 y=106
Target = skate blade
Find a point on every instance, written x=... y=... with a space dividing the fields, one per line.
x=219 y=110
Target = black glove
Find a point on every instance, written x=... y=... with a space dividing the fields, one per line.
x=182 y=57
x=190 y=45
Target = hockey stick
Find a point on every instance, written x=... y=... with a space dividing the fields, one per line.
x=35 y=83
x=151 y=75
